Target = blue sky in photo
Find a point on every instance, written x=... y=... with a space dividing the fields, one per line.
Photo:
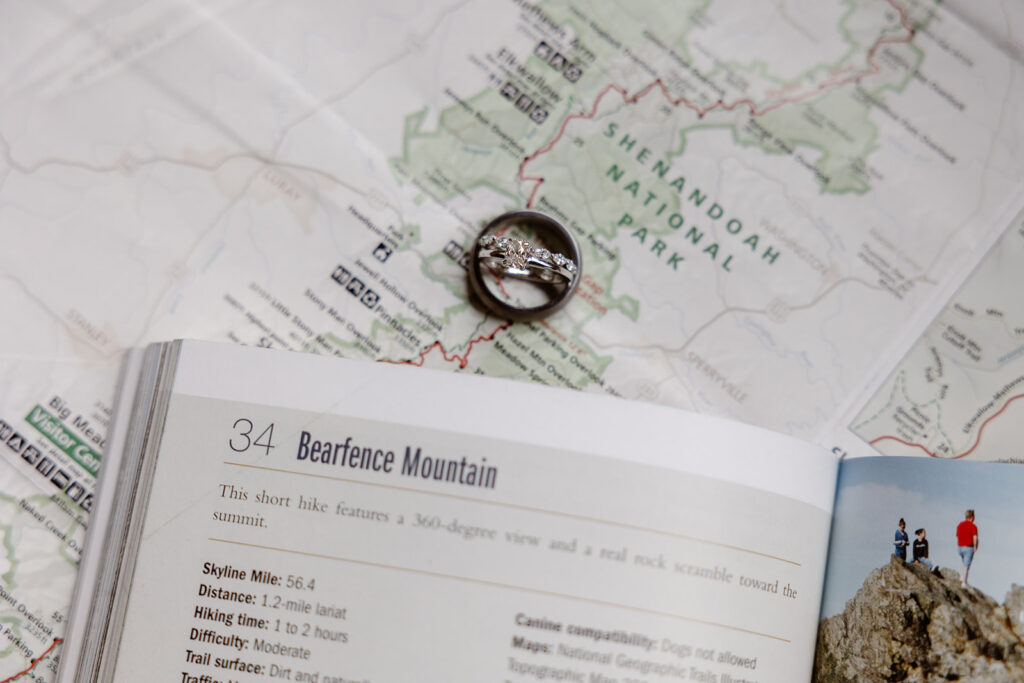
x=874 y=493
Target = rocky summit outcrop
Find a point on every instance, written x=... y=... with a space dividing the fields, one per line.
x=907 y=624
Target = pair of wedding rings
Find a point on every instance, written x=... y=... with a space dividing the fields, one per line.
x=555 y=269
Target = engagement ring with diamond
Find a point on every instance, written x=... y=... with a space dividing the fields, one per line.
x=511 y=257
x=552 y=261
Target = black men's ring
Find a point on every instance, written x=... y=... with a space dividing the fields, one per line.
x=556 y=268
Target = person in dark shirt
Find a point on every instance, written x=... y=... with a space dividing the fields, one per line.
x=921 y=551
x=901 y=541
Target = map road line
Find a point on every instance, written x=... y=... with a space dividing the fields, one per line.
x=676 y=101
x=977 y=441
x=46 y=653
x=463 y=359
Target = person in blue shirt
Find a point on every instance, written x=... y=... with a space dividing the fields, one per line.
x=901 y=541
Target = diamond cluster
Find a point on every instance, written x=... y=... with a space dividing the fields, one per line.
x=515 y=253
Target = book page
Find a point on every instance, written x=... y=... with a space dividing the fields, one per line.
x=431 y=527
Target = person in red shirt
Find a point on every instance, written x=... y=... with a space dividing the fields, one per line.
x=967 y=544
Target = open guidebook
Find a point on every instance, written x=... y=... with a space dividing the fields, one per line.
x=267 y=515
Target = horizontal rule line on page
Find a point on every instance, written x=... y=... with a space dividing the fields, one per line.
x=513 y=506
x=495 y=584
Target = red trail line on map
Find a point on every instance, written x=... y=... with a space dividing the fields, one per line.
x=977 y=441
x=676 y=101
x=462 y=360
x=32 y=665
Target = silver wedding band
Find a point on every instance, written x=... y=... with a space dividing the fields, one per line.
x=555 y=268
